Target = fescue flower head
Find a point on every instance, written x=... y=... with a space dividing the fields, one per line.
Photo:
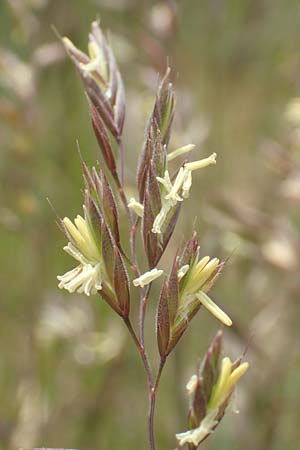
x=171 y=193
x=229 y=375
x=94 y=64
x=210 y=391
x=94 y=241
x=103 y=85
x=198 y=280
x=184 y=293
x=102 y=254
x=87 y=276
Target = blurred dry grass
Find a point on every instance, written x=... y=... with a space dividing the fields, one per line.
x=68 y=375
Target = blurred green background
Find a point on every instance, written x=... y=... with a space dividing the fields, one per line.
x=69 y=375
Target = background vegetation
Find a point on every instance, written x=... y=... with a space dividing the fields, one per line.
x=69 y=376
